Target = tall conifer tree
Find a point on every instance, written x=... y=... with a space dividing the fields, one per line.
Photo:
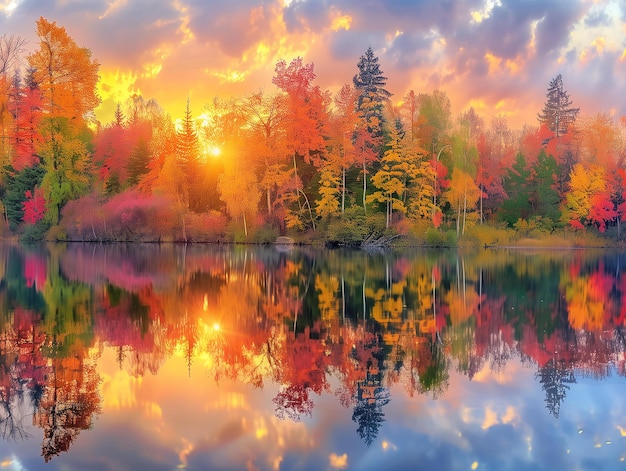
x=558 y=113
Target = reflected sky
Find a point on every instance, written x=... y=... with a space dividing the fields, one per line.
x=291 y=381
x=494 y=422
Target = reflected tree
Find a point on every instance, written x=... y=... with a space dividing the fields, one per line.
x=293 y=402
x=371 y=394
x=554 y=377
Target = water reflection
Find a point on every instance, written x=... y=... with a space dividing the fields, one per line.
x=312 y=329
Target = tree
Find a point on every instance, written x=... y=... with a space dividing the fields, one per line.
x=558 y=113
x=371 y=82
x=463 y=195
x=343 y=133
x=25 y=107
x=370 y=85
x=11 y=46
x=517 y=203
x=19 y=185
x=434 y=120
x=543 y=195
x=304 y=120
x=331 y=186
x=588 y=199
x=238 y=175
x=67 y=77
x=188 y=149
x=554 y=377
x=265 y=118
x=138 y=162
x=390 y=179
x=66 y=74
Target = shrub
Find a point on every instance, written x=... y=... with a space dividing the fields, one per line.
x=207 y=227
x=354 y=227
x=36 y=232
x=437 y=238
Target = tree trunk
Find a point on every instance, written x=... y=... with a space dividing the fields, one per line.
x=464 y=212
x=364 y=187
x=343 y=189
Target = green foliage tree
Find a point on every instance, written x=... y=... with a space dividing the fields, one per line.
x=17 y=184
x=138 y=161
x=67 y=77
x=544 y=197
x=517 y=204
x=188 y=149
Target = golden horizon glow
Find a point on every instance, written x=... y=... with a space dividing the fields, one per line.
x=184 y=47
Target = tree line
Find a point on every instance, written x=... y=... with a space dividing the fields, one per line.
x=296 y=160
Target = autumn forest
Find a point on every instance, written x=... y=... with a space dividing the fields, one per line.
x=342 y=167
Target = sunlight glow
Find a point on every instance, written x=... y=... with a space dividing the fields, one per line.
x=216 y=327
x=9 y=7
x=340 y=21
x=232 y=76
x=117 y=85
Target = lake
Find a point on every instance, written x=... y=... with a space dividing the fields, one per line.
x=201 y=357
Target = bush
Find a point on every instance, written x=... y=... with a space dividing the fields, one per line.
x=438 y=238
x=354 y=227
x=265 y=234
x=56 y=234
x=36 y=232
x=486 y=235
x=206 y=227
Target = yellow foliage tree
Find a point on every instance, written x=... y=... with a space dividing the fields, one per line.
x=463 y=195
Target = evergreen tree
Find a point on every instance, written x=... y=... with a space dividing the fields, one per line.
x=187 y=150
x=372 y=95
x=119 y=116
x=558 y=113
x=554 y=377
x=544 y=197
x=370 y=78
x=517 y=205
x=17 y=186
x=370 y=82
x=138 y=161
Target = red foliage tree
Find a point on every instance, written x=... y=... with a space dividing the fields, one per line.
x=34 y=206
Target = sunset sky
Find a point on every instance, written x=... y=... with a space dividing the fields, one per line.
x=495 y=55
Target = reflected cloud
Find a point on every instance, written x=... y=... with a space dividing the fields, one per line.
x=316 y=352
x=338 y=461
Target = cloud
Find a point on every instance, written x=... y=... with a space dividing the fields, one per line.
x=501 y=54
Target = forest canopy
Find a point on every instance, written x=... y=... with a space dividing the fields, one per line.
x=340 y=167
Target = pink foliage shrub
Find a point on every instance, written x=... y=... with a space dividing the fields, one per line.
x=34 y=207
x=207 y=227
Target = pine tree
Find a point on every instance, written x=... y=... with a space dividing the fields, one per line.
x=187 y=150
x=120 y=119
x=370 y=78
x=517 y=205
x=370 y=83
x=558 y=113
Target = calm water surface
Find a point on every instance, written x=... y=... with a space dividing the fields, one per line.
x=147 y=357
